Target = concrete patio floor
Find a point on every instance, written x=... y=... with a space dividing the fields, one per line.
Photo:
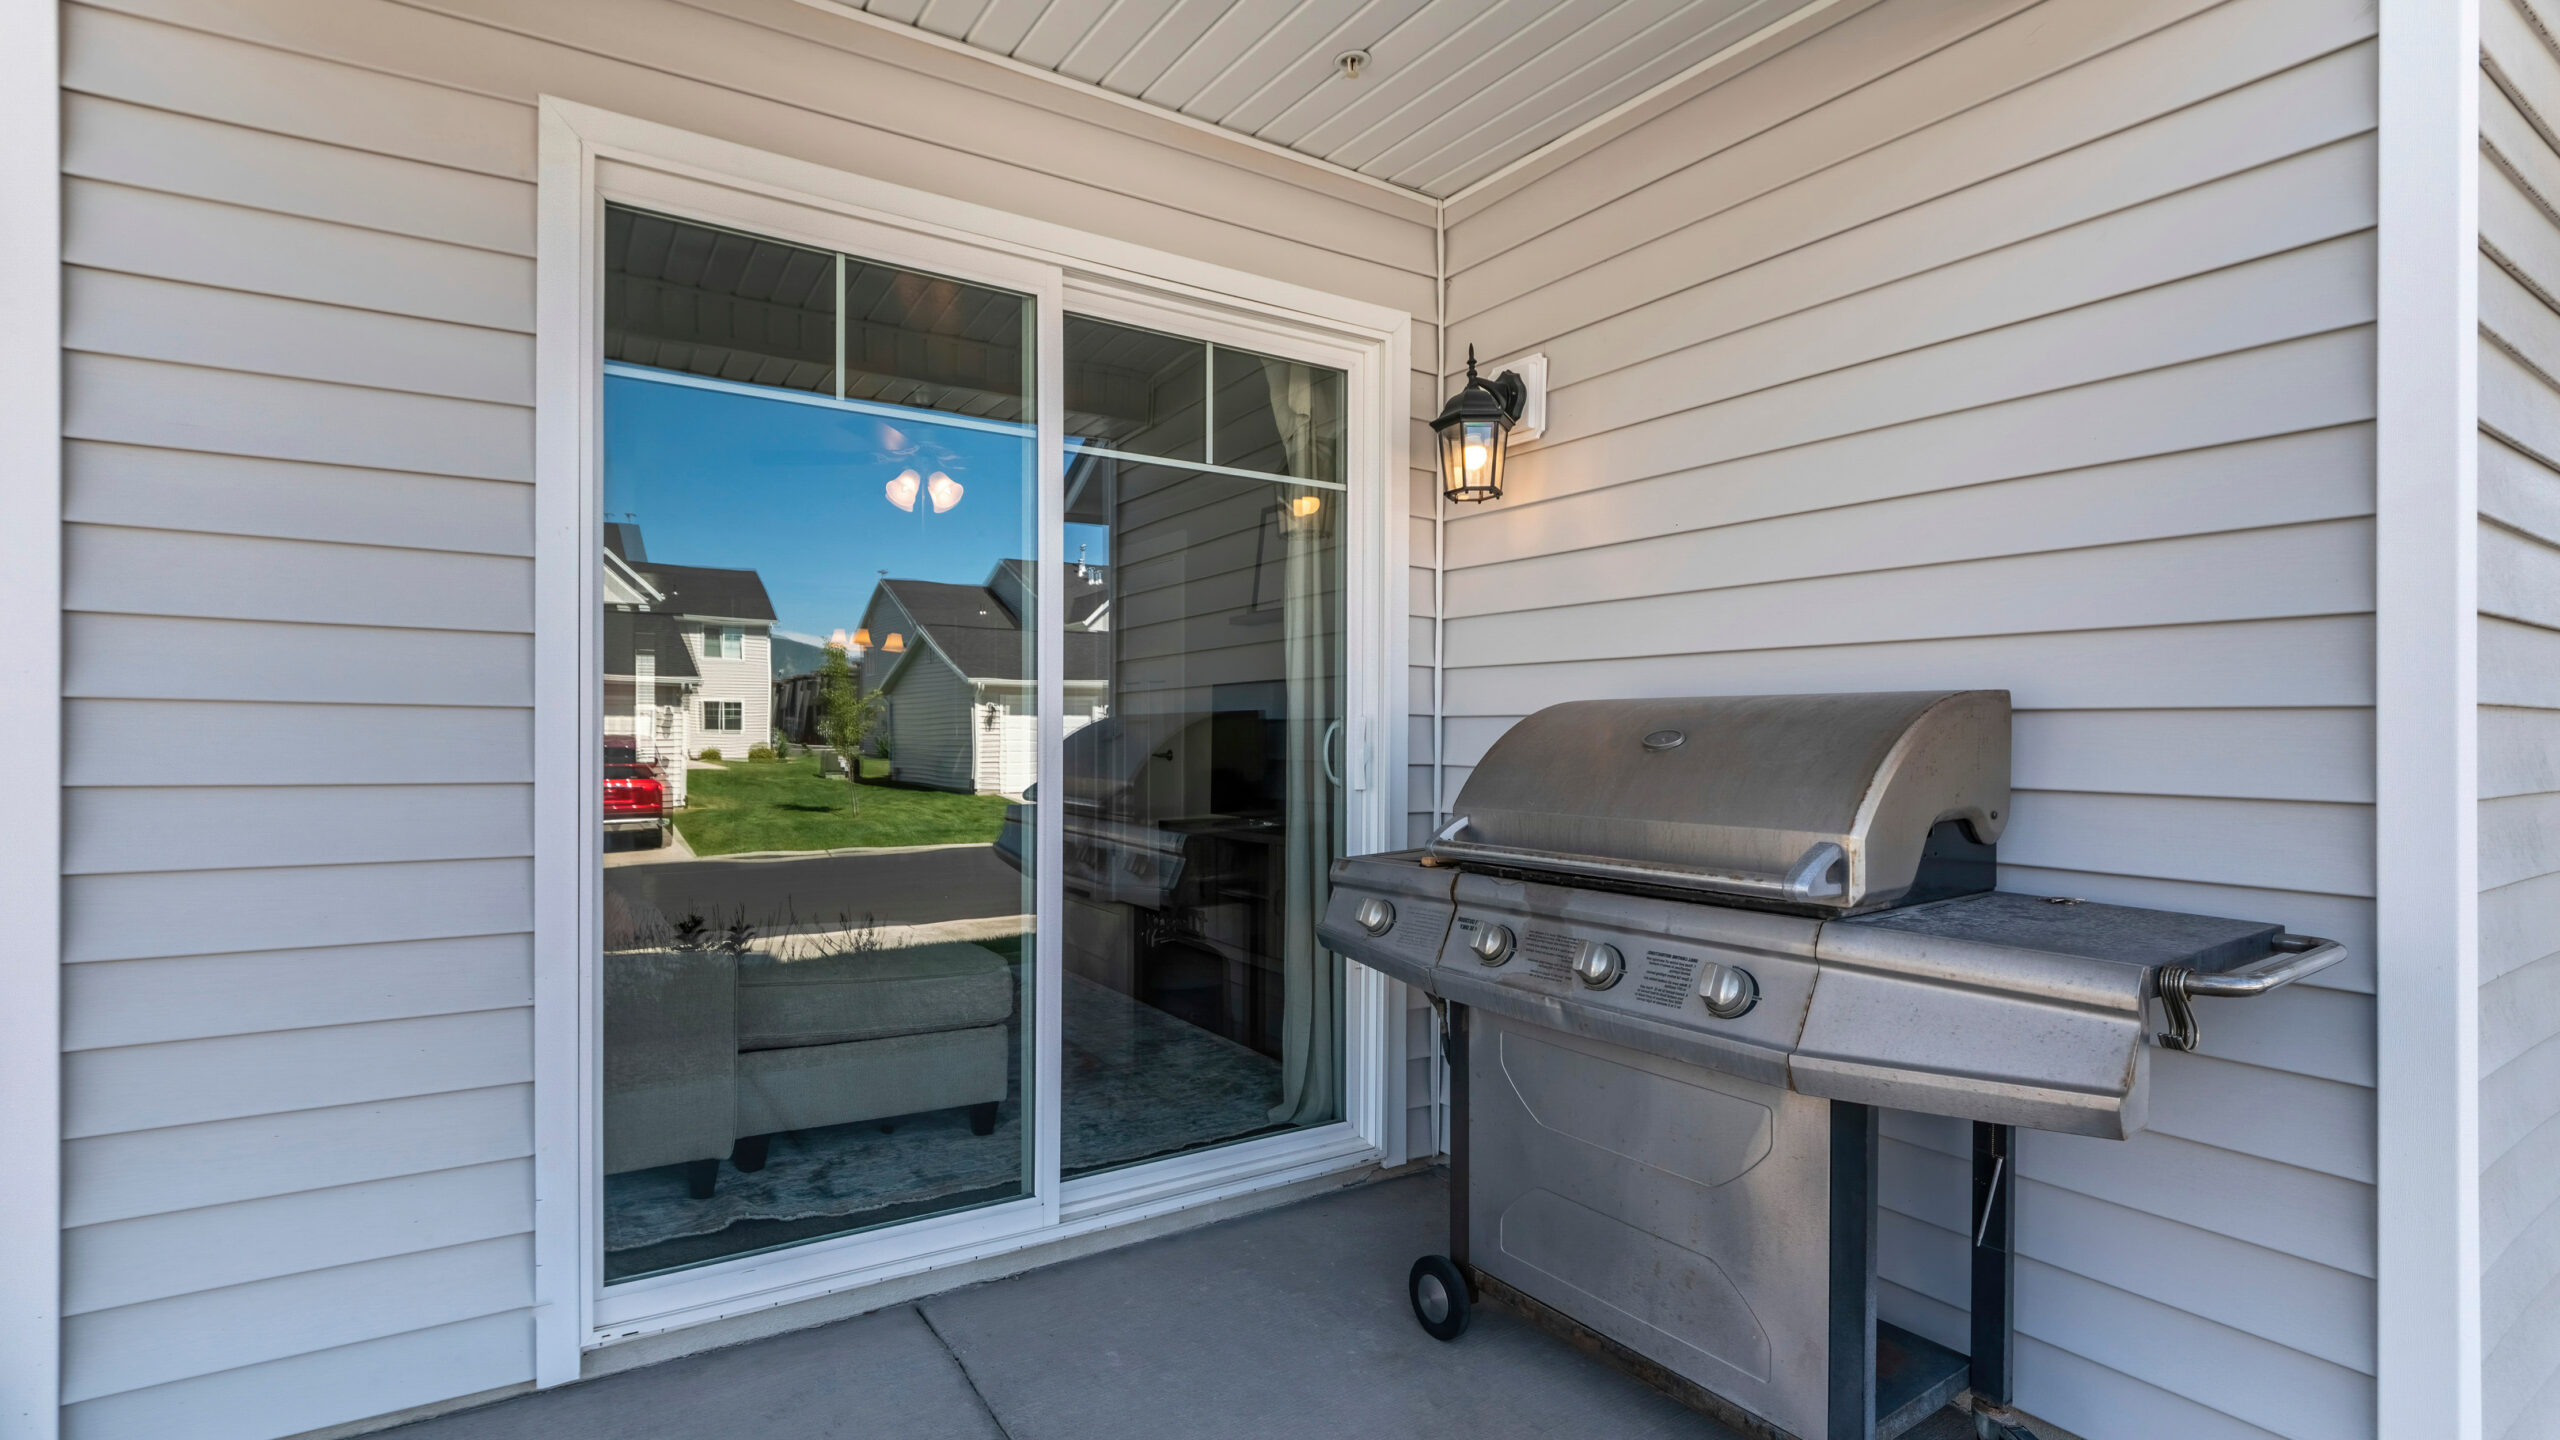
x=1291 y=1323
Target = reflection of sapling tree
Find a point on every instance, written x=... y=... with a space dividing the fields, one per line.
x=846 y=716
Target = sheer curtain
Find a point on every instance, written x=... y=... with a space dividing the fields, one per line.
x=1311 y=1012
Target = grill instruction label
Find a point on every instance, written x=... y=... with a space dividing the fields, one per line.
x=1549 y=954
x=1667 y=979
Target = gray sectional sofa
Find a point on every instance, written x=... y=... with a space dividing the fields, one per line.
x=708 y=1053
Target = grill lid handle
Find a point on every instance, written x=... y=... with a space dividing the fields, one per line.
x=1822 y=873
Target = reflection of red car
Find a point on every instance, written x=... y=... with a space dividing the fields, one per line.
x=635 y=801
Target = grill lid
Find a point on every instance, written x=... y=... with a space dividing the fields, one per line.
x=1820 y=802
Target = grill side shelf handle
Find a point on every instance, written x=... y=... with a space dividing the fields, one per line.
x=1821 y=874
x=2295 y=957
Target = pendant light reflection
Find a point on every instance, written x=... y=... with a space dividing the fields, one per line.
x=1302 y=515
x=941 y=489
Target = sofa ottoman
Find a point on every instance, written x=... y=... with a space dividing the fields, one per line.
x=869 y=1036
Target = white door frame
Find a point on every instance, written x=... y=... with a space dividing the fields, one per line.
x=588 y=155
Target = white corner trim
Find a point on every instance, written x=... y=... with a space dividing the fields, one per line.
x=31 y=728
x=2426 y=960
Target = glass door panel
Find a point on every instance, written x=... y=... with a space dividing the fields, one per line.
x=1202 y=792
x=819 y=679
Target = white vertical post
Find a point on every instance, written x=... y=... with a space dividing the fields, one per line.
x=2425 y=661
x=31 y=726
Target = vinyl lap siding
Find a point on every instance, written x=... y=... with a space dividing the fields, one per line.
x=2028 y=345
x=299 y=244
x=2519 y=723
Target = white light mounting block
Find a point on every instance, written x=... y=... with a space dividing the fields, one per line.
x=1532 y=370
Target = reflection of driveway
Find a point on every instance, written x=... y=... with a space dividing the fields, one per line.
x=910 y=887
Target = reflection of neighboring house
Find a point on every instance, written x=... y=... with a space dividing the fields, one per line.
x=955 y=664
x=649 y=680
x=711 y=626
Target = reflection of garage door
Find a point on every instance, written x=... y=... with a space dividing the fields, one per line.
x=1018 y=748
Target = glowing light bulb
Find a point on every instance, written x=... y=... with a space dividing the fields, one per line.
x=902 y=491
x=946 y=492
x=895 y=643
x=1306 y=505
x=861 y=636
x=1475 y=457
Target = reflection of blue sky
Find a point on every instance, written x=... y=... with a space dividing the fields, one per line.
x=797 y=493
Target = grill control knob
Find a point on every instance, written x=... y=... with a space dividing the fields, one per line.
x=1492 y=943
x=1729 y=990
x=1597 y=965
x=1375 y=916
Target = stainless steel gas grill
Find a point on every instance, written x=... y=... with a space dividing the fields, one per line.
x=1684 y=952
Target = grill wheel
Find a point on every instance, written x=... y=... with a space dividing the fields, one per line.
x=1439 y=1295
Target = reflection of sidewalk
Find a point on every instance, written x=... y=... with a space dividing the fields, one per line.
x=682 y=851
x=838 y=890
x=670 y=849
x=807 y=944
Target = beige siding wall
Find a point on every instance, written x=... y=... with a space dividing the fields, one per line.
x=931 y=730
x=2015 y=343
x=300 y=381
x=748 y=680
x=2519 y=722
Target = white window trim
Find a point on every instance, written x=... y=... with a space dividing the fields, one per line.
x=587 y=153
x=31 y=733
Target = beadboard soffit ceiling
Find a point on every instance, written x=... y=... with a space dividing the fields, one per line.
x=1450 y=94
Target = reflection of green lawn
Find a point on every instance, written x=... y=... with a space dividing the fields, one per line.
x=788 y=805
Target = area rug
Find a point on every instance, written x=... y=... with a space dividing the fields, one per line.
x=1139 y=1083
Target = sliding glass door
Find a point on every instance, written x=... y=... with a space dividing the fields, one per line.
x=830 y=619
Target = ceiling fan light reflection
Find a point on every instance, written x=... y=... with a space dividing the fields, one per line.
x=902 y=490
x=946 y=492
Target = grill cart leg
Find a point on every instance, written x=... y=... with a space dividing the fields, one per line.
x=1995 y=1291
x=1453 y=1044
x=1855 y=1142
x=1442 y=1288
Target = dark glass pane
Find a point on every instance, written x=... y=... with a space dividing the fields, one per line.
x=679 y=296
x=1203 y=805
x=1135 y=390
x=1277 y=416
x=935 y=344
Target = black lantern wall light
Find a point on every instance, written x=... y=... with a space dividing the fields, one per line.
x=1478 y=424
